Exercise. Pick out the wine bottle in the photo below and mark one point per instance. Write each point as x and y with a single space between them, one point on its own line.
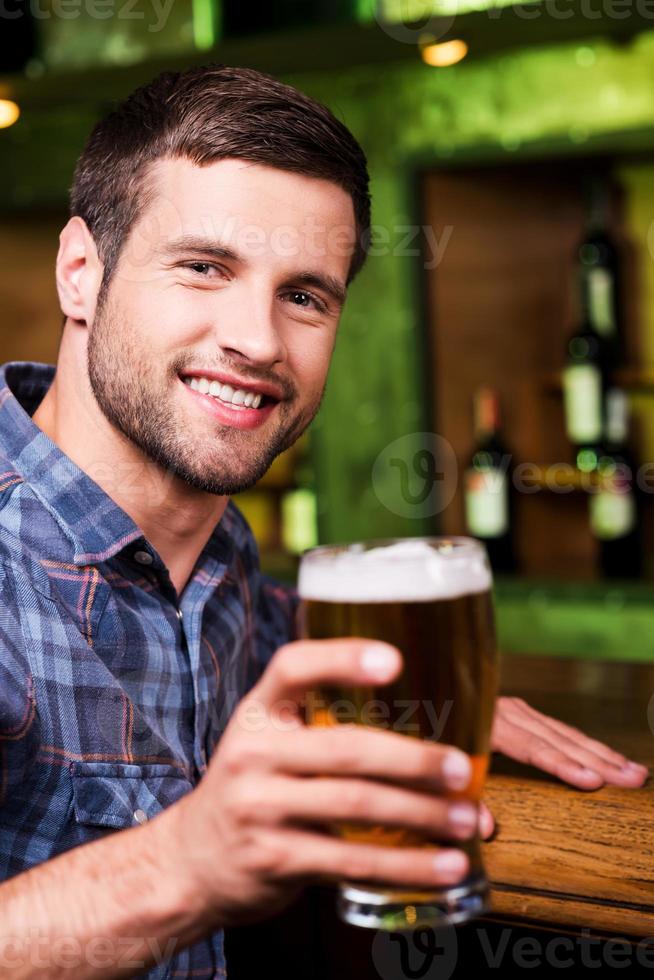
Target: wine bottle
488 495
615 511
599 268
584 385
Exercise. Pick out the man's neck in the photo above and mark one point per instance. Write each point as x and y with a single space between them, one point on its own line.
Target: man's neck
175 518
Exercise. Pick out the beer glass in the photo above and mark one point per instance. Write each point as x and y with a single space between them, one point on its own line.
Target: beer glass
431 598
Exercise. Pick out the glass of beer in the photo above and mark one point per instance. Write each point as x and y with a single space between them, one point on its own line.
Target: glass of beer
431 598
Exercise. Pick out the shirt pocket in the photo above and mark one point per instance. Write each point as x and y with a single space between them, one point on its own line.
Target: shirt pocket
119 795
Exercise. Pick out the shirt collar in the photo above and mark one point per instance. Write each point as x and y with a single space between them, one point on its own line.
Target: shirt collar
94 523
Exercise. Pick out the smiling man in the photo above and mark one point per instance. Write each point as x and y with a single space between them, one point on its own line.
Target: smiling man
217 220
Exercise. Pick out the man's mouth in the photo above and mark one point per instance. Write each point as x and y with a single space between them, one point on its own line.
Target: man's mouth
238 398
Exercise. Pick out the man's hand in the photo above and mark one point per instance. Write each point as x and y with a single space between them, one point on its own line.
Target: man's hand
527 735
255 829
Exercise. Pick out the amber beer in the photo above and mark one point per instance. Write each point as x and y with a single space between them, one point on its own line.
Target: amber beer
431 598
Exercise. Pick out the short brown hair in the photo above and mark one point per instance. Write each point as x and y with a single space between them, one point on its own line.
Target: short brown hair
204 114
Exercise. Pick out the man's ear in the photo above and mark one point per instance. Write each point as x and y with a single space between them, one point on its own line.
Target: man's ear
78 271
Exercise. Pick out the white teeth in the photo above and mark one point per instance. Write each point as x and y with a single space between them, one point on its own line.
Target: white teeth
233 396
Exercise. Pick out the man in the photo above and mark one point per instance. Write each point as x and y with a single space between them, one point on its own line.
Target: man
217 218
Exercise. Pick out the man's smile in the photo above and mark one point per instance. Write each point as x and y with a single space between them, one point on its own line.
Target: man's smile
241 408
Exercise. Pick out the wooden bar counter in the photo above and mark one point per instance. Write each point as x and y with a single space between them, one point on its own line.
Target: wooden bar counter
565 865
576 857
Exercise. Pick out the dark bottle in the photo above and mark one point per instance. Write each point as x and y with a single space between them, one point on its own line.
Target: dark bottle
488 485
584 385
599 269
615 506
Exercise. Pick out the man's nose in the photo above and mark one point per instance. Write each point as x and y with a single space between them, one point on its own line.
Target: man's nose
249 331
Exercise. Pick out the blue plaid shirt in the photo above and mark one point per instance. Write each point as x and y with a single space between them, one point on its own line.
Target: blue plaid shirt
112 698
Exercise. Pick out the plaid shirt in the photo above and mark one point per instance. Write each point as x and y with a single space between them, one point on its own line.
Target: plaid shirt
112 697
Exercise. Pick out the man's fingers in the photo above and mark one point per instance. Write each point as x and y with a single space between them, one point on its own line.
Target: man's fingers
526 735
356 750
486 822
353 750
299 666
296 854
603 751
328 800
534 750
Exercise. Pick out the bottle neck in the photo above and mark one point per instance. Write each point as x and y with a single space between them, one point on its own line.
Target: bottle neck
598 205
487 414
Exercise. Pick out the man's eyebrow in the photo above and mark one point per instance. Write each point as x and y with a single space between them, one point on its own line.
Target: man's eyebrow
194 243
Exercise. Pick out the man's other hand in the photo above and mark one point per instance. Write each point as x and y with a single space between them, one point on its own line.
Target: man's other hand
527 735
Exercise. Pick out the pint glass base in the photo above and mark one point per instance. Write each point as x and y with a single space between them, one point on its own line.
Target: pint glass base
396 911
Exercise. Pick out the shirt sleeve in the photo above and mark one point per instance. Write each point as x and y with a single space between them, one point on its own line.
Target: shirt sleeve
19 738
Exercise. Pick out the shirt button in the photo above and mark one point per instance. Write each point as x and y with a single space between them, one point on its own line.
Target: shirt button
143 557
140 816
180 614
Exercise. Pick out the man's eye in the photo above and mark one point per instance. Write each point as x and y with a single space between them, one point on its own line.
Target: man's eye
199 266
318 305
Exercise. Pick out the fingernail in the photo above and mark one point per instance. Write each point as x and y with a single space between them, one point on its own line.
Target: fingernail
486 824
452 863
457 770
378 660
635 766
462 816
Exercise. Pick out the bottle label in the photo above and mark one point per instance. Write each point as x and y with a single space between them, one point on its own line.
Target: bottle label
487 503
612 514
600 301
582 394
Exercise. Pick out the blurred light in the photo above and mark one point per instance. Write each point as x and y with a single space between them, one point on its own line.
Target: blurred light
9 113
299 520
34 68
586 460
445 53
585 57
204 24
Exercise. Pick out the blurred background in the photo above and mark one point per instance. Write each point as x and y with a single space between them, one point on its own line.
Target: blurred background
494 371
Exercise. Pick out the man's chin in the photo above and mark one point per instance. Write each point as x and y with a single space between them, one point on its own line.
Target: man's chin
217 483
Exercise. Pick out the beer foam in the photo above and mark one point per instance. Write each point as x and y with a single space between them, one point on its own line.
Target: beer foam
405 571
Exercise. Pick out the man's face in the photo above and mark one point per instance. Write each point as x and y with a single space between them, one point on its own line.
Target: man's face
178 317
